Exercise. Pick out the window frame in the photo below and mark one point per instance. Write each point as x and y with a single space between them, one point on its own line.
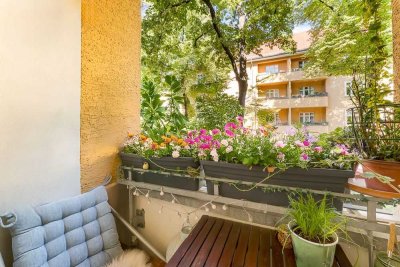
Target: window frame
275 93
272 66
307 117
310 90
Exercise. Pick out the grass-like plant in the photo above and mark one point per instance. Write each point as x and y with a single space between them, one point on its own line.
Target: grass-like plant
316 221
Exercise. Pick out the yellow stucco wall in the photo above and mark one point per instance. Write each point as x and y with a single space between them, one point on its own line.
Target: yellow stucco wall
396 46
282 65
110 88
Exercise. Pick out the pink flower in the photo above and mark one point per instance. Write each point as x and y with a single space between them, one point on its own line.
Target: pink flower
280 156
215 131
318 149
229 133
230 126
239 118
203 131
190 141
299 143
197 140
304 157
191 133
280 144
306 143
206 137
205 146
216 144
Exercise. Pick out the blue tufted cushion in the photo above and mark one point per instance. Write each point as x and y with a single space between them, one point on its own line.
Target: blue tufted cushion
79 231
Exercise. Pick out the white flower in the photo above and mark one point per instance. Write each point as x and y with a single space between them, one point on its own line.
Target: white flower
175 154
215 158
214 153
224 142
177 148
229 149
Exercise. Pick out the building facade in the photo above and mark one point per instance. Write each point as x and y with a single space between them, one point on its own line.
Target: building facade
278 83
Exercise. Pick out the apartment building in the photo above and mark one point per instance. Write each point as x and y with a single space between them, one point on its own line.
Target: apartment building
278 83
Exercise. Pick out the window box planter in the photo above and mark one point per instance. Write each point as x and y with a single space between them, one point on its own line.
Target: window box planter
165 164
332 180
132 160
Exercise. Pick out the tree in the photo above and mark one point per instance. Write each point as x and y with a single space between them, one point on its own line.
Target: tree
233 28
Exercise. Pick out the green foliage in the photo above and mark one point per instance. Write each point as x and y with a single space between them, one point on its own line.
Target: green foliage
215 111
316 221
152 111
265 116
158 116
208 35
353 38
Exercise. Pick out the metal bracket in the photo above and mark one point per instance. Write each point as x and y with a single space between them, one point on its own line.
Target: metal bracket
138 220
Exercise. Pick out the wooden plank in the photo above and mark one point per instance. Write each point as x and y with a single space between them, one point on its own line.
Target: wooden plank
230 246
289 258
205 249
197 243
277 255
264 258
177 257
252 251
219 245
341 257
241 248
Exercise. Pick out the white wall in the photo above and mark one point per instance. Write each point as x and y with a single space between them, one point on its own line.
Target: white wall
39 103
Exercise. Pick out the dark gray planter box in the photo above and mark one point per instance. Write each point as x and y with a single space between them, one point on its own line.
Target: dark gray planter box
318 179
132 160
172 180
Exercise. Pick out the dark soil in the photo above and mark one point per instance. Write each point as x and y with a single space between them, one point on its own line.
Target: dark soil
315 240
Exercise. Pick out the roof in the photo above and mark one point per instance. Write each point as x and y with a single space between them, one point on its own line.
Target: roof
302 40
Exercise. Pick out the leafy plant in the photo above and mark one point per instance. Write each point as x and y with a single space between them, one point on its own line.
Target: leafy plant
175 100
152 111
316 221
215 111
265 116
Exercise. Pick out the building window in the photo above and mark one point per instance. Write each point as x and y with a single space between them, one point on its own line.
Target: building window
277 120
273 93
348 89
306 117
349 117
307 90
272 69
301 64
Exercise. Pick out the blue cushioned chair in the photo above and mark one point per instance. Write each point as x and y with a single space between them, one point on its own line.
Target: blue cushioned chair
78 231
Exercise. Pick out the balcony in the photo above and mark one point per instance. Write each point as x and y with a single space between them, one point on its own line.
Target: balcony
296 101
263 78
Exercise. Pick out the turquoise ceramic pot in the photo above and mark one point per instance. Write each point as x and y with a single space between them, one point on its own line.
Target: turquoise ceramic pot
310 254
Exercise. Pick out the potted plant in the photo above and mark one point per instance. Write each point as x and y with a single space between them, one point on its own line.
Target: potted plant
295 159
313 229
169 154
376 133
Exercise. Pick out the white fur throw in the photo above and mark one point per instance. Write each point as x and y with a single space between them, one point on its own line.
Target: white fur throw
131 258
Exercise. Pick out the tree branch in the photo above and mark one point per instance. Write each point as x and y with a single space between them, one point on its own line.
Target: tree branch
327 5
217 30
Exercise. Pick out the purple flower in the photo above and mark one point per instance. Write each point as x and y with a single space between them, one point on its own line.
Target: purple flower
216 144
190 141
197 140
215 131
291 131
206 137
304 157
280 144
306 143
203 131
318 149
229 133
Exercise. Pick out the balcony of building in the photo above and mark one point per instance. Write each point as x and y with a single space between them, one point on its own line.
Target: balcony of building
308 94
272 72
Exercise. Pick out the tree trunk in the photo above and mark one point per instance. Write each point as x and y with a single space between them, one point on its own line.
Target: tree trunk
396 48
242 91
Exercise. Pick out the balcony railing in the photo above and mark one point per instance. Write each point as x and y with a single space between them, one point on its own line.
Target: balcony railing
316 94
316 123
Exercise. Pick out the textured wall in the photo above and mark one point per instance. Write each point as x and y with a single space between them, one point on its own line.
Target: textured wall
396 46
110 84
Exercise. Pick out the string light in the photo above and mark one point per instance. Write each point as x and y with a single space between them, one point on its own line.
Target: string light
147 194
161 192
213 206
206 209
224 207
